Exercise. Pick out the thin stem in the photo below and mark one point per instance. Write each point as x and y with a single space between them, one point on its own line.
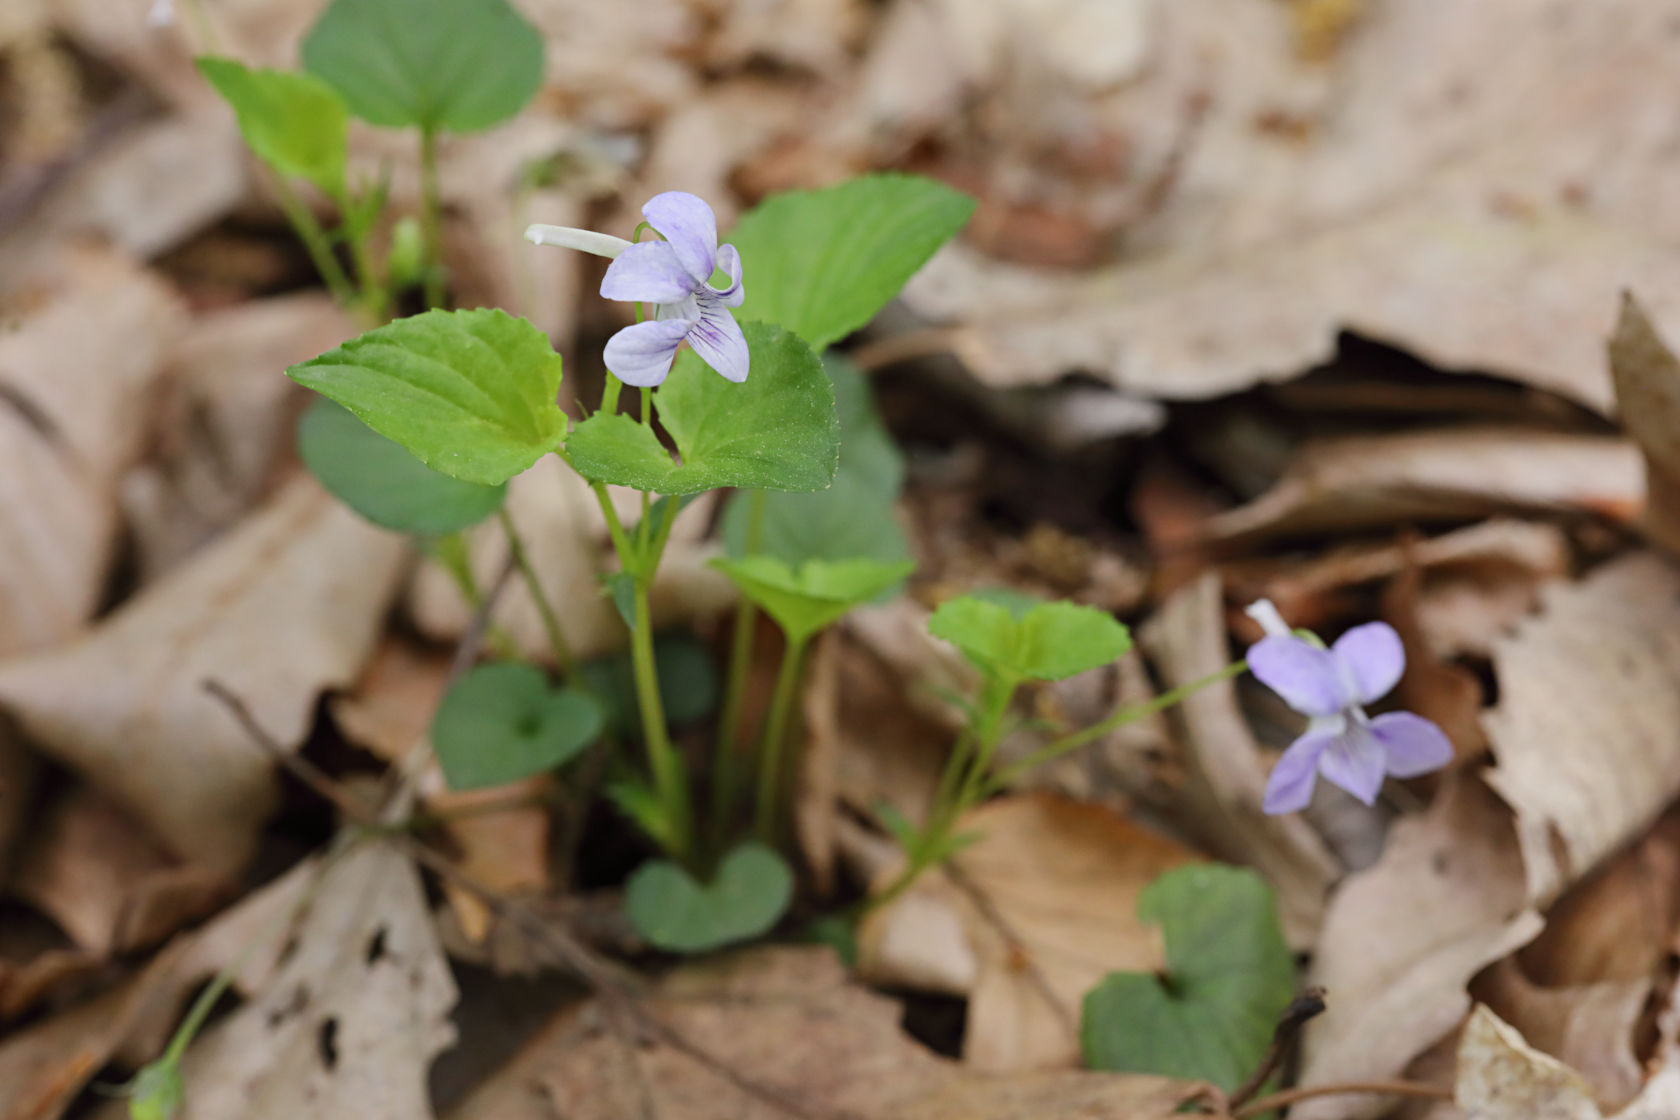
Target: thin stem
1390 1088
1072 742
766 819
451 553
669 779
987 733
373 294
562 649
431 217
724 758
315 241
609 394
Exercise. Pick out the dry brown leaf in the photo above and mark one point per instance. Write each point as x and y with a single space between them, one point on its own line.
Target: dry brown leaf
1647 377
286 605
1225 773
566 537
20 772
1396 983
852 1059
1481 211
1047 901
815 35
1588 1027
348 1022
227 421
92 869
1339 485
69 399
1589 696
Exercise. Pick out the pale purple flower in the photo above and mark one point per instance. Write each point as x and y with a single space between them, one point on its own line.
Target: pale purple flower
674 276
1331 687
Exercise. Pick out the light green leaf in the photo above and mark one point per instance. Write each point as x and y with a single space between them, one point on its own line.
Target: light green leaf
157 1092
745 899
439 65
822 263
775 431
469 393
384 483
296 123
1047 642
503 722
1229 977
804 601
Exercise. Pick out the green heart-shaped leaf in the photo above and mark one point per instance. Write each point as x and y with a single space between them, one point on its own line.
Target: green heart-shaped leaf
746 897
777 430
450 65
1229 977
296 123
382 482
1047 641
472 394
822 263
803 602
503 722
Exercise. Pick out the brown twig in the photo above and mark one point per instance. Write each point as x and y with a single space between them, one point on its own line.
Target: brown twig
1392 1088
1304 1007
611 984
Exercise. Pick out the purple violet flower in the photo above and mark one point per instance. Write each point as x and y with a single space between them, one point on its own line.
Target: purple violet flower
674 275
1331 687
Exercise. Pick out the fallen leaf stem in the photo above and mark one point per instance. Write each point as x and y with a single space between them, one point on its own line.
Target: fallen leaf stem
1286 1097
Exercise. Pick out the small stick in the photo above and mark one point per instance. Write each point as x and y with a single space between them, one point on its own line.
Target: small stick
1308 1005
1391 1088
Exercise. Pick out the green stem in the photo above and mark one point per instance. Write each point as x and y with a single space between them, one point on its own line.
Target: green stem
724 758
373 295
562 649
431 217
609 394
766 818
669 779
315 241
1073 741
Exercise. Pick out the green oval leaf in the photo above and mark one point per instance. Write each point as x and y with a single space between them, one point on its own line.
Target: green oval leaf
382 482
1047 642
804 601
296 123
822 263
469 393
1229 977
775 431
437 65
503 722
749 893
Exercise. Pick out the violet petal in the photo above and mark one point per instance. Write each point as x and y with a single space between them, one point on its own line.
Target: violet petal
641 355
648 272
717 338
1355 760
1373 656
729 259
690 227
1411 744
1304 675
1290 787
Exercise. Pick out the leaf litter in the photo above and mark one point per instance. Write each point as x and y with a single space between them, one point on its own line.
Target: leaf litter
1167 226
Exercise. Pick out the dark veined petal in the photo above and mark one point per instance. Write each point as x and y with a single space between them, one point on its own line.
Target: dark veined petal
717 338
1411 744
1304 675
1355 760
641 355
648 272
1374 658
1290 787
729 259
690 227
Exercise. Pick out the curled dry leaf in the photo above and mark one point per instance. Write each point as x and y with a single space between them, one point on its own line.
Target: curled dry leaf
1224 770
853 1060
1360 482
287 604
1047 901
566 537
1396 984
69 397
1647 376
226 423
1502 1077
1474 210
1589 696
